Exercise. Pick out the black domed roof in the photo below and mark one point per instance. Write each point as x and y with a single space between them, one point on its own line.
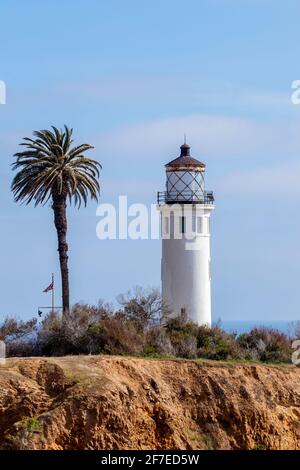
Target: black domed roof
185 161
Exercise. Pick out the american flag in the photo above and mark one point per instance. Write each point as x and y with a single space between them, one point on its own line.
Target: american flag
50 287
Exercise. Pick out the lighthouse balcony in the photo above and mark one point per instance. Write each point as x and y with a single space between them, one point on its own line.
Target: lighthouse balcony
186 197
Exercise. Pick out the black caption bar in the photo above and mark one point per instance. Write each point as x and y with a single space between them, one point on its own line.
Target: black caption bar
148 459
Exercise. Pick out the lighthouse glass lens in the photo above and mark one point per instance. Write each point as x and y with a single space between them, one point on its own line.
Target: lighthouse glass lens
185 185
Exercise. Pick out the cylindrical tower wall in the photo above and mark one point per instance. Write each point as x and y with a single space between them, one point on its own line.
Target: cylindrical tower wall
185 268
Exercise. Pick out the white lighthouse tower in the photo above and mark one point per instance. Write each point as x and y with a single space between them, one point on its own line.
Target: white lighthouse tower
185 209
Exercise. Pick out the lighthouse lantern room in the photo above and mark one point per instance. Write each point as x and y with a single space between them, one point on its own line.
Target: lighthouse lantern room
185 208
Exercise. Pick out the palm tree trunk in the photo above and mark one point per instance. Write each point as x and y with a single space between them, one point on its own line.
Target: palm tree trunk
60 219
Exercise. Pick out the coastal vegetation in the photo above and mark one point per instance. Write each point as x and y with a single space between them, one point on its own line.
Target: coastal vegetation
138 327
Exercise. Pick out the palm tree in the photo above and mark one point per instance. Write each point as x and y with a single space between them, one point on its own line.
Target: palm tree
50 168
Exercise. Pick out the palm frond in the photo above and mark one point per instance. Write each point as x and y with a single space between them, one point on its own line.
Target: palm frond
51 166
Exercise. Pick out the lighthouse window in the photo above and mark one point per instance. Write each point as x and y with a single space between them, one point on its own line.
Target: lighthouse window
182 224
166 225
199 225
208 225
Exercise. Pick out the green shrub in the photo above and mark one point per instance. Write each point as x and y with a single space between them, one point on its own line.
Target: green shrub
159 342
214 343
183 336
266 344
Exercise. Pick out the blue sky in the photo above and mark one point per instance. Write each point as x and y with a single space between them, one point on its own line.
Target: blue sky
131 77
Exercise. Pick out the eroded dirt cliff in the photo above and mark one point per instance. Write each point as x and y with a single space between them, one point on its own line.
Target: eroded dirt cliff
130 403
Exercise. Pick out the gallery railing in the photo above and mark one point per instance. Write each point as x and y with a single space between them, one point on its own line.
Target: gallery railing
173 197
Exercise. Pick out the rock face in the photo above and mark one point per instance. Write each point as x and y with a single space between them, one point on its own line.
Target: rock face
102 402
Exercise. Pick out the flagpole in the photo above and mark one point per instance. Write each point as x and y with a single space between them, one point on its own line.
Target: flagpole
53 297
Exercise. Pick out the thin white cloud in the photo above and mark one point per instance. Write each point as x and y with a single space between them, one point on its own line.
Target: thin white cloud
266 151
281 181
162 90
210 136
